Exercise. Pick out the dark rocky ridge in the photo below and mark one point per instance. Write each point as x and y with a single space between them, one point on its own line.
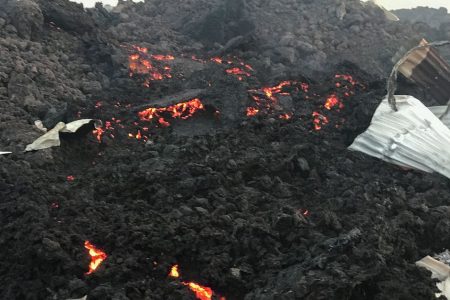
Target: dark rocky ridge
229 205
434 17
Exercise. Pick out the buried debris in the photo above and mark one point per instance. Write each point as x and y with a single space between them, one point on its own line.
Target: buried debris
424 66
440 271
52 139
403 131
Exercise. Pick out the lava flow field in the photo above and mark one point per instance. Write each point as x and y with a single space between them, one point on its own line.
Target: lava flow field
220 169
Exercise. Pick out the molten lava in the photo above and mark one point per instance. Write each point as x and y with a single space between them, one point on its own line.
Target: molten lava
267 98
98 134
285 116
348 78
183 110
251 111
271 92
333 101
237 71
97 257
201 292
174 272
217 60
319 120
141 63
163 57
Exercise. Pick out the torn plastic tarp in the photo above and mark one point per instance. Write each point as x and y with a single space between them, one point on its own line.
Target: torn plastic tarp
440 271
51 138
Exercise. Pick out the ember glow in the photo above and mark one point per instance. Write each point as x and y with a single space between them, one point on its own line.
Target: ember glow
333 101
217 60
272 92
239 72
251 111
346 85
98 134
348 78
201 292
141 63
266 98
174 272
163 57
285 116
97 257
319 120
183 110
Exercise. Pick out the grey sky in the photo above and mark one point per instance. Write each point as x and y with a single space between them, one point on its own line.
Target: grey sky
395 4
389 4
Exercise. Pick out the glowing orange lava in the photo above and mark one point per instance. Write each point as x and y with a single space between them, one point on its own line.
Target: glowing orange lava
239 72
98 134
174 272
183 110
163 57
140 62
271 92
285 116
217 60
138 135
333 101
97 257
251 111
319 120
266 98
348 78
201 292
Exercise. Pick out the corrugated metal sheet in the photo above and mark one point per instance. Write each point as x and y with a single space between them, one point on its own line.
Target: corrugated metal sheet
439 111
411 137
430 71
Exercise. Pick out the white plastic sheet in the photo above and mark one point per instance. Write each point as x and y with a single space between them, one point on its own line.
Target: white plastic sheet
411 137
51 138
